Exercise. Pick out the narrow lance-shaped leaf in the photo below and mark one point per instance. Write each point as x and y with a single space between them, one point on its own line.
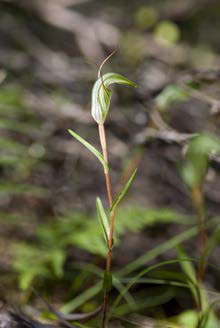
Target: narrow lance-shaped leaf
91 148
101 95
103 219
123 191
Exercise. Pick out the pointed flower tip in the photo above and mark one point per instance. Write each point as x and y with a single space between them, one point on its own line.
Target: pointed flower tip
134 84
131 83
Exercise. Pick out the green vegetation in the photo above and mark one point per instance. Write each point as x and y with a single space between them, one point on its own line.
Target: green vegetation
45 259
139 249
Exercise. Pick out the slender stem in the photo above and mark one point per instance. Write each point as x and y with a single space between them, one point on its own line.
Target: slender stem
110 242
105 155
197 196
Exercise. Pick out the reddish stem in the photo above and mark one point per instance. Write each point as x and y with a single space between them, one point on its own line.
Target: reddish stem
197 196
112 215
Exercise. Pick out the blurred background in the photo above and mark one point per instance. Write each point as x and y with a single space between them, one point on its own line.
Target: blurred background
50 51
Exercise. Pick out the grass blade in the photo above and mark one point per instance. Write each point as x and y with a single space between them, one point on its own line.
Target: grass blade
160 249
138 276
189 270
81 299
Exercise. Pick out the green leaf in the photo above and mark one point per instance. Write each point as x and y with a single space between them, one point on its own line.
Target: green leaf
123 191
91 148
194 169
206 144
107 282
101 95
187 266
103 219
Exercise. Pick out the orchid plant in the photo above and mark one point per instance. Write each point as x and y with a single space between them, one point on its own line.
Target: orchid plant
101 98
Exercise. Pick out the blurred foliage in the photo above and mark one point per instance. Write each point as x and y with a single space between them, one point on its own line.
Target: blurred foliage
146 17
17 119
167 32
169 95
133 54
203 56
195 167
32 262
48 255
190 319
